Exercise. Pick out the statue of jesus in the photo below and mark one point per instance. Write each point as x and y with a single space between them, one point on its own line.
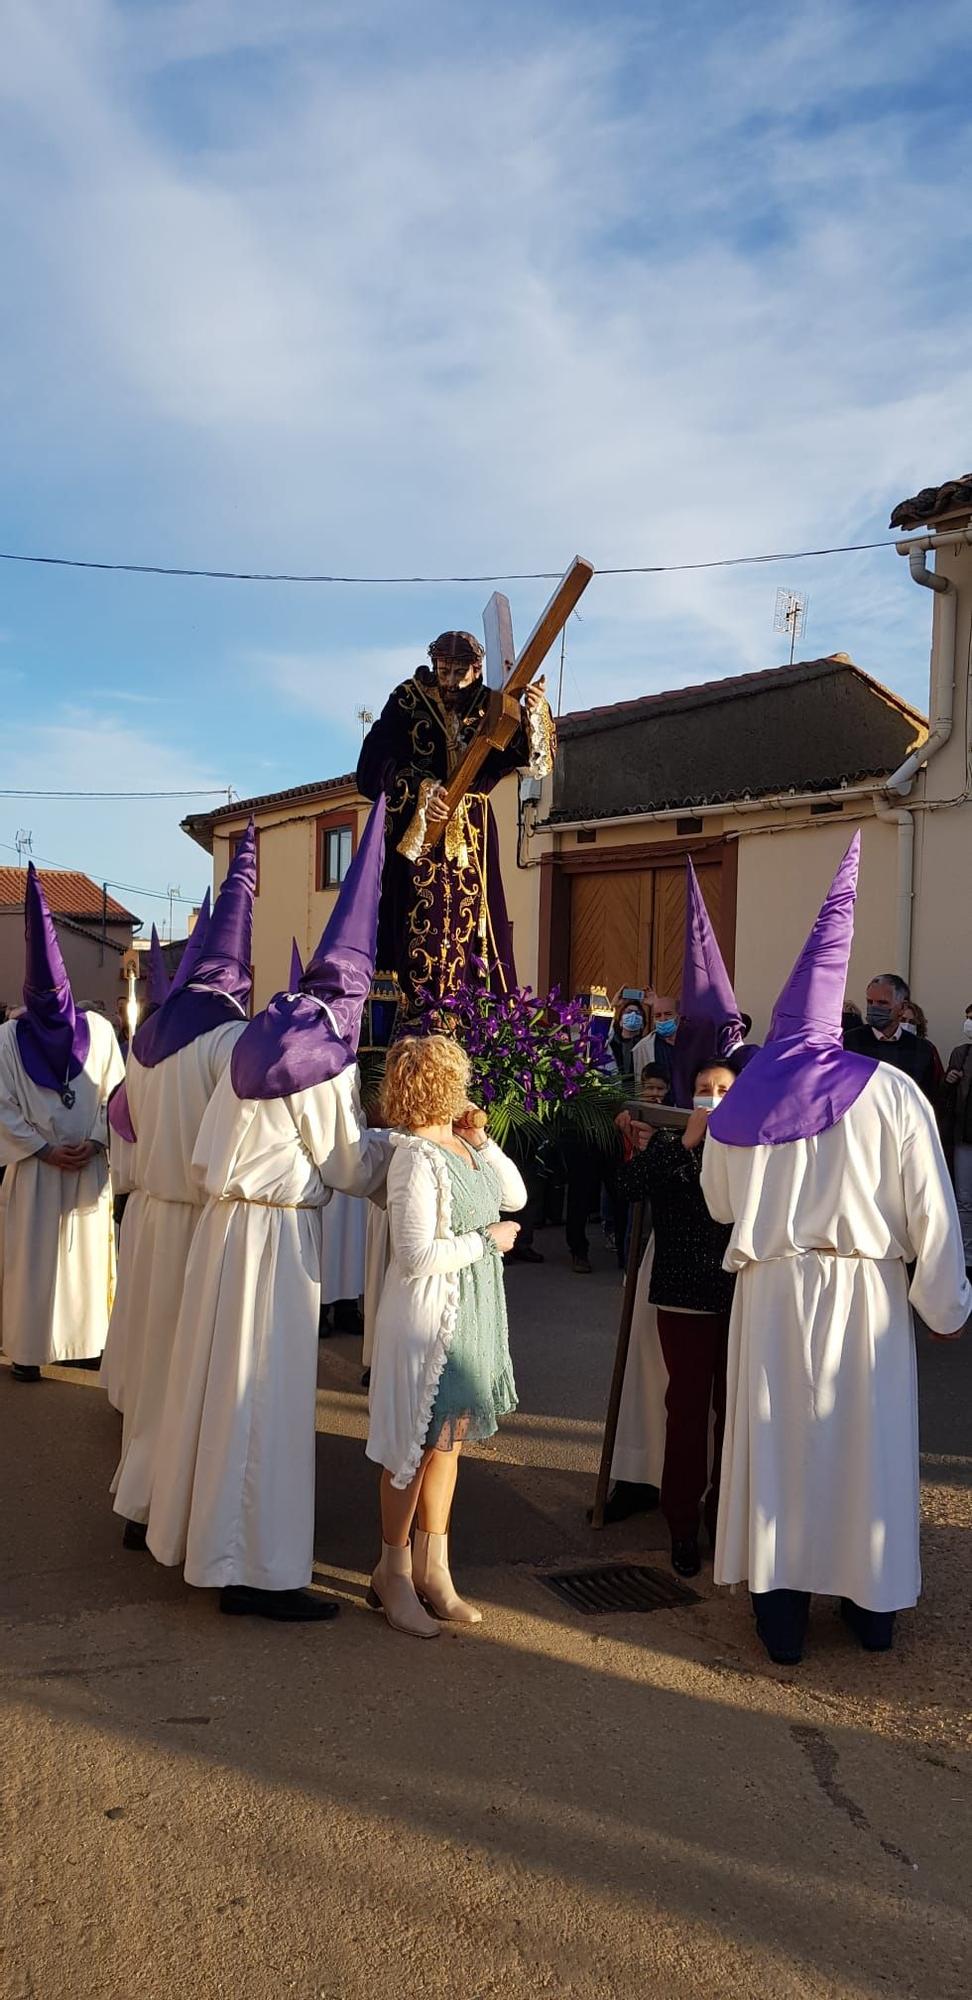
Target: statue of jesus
442 920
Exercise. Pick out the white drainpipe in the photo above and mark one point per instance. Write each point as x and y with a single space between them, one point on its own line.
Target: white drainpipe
899 784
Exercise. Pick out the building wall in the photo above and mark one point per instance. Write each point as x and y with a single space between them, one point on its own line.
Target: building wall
91 980
782 879
941 955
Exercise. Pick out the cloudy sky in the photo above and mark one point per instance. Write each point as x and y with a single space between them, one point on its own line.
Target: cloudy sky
431 289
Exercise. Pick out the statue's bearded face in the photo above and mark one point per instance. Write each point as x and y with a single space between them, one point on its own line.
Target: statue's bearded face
451 675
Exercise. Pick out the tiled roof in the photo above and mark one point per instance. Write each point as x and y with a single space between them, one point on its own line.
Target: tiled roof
68 893
200 826
953 497
818 726
703 694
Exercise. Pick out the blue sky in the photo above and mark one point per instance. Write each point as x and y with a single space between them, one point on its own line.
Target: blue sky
441 288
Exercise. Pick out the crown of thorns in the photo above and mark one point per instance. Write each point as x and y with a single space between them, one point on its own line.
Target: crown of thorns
463 646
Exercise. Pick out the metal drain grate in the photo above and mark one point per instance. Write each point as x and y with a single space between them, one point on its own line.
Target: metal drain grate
607 1587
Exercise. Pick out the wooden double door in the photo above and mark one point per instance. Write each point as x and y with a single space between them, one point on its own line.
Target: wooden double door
627 924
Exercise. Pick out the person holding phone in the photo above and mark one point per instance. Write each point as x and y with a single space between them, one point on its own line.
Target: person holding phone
441 1374
692 1295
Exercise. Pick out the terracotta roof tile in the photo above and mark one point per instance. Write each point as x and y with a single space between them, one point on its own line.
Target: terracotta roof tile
954 496
69 894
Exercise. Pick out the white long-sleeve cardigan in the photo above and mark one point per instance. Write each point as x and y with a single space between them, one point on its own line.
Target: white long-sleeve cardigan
419 1303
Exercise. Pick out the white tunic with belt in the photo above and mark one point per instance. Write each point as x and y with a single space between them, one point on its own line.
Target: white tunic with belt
166 1104
233 1494
820 1463
123 1168
57 1239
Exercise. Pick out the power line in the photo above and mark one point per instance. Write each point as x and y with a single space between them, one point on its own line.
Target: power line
197 792
130 888
508 576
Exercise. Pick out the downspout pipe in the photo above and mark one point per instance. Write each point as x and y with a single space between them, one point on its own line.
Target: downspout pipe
901 781
899 784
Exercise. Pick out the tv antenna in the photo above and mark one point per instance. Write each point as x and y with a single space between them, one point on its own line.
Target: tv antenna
25 845
791 616
366 717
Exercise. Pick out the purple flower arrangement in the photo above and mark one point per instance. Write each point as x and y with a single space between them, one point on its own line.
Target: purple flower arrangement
536 1070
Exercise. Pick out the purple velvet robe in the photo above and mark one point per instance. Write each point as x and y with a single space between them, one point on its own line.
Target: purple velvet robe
439 913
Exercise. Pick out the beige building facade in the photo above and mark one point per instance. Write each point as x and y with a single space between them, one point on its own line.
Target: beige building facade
760 778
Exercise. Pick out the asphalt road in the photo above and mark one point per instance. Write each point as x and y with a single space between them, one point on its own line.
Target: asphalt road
554 1804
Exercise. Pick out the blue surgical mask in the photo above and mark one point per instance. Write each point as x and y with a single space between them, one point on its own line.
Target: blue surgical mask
704 1103
631 1022
878 1013
665 1027
909 1027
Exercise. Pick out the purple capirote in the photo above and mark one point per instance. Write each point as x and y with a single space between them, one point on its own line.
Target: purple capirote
296 966
157 978
53 1037
213 982
803 1080
709 1022
305 1038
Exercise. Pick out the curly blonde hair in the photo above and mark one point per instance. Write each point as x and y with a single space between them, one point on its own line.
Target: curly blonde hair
426 1082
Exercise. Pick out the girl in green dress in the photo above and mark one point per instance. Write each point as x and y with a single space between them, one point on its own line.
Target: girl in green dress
441 1374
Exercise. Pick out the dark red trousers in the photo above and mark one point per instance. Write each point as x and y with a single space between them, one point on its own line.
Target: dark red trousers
694 1346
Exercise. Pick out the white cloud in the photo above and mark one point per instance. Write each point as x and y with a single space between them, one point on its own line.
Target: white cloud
446 291
136 843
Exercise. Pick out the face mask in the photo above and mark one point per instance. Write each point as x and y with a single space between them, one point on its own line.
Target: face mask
967 1030
704 1103
665 1027
631 1022
878 1014
909 1027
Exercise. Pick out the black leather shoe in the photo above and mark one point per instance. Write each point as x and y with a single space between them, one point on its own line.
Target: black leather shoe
23 1371
874 1629
134 1535
627 1497
292 1606
525 1256
686 1560
781 1623
346 1317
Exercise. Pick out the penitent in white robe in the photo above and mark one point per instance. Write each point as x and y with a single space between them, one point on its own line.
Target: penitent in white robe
57 1239
233 1496
819 1484
344 1228
122 1165
166 1104
639 1446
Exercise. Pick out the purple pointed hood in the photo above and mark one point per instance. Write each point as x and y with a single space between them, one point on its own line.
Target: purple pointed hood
306 1037
213 982
803 1080
296 966
195 943
52 1037
709 1023
157 977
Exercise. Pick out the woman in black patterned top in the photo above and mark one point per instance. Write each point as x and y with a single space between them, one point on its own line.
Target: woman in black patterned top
692 1295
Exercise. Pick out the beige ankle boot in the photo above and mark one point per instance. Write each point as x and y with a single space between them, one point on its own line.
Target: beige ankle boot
393 1592
430 1575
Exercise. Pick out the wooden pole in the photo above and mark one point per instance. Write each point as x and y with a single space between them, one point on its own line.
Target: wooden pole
503 715
620 1364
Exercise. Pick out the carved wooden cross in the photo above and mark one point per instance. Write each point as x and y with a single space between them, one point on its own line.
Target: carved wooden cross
508 675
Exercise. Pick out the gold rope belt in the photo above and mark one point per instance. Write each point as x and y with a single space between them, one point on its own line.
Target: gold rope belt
289 1207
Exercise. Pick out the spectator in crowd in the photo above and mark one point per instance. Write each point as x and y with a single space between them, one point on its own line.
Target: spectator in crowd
693 1297
851 1017
957 1129
914 1021
658 1047
629 1029
884 1038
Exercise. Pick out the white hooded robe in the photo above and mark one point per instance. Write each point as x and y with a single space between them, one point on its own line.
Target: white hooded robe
820 1468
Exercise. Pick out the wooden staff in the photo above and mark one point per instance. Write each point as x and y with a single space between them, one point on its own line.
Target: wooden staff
620 1364
502 718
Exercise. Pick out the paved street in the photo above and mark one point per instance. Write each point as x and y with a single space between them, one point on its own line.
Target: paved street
633 1805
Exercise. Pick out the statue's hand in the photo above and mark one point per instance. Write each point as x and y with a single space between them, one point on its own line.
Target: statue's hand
535 695
436 805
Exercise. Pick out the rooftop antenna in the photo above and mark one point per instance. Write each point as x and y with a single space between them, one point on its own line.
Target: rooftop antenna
366 717
791 616
174 895
25 844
